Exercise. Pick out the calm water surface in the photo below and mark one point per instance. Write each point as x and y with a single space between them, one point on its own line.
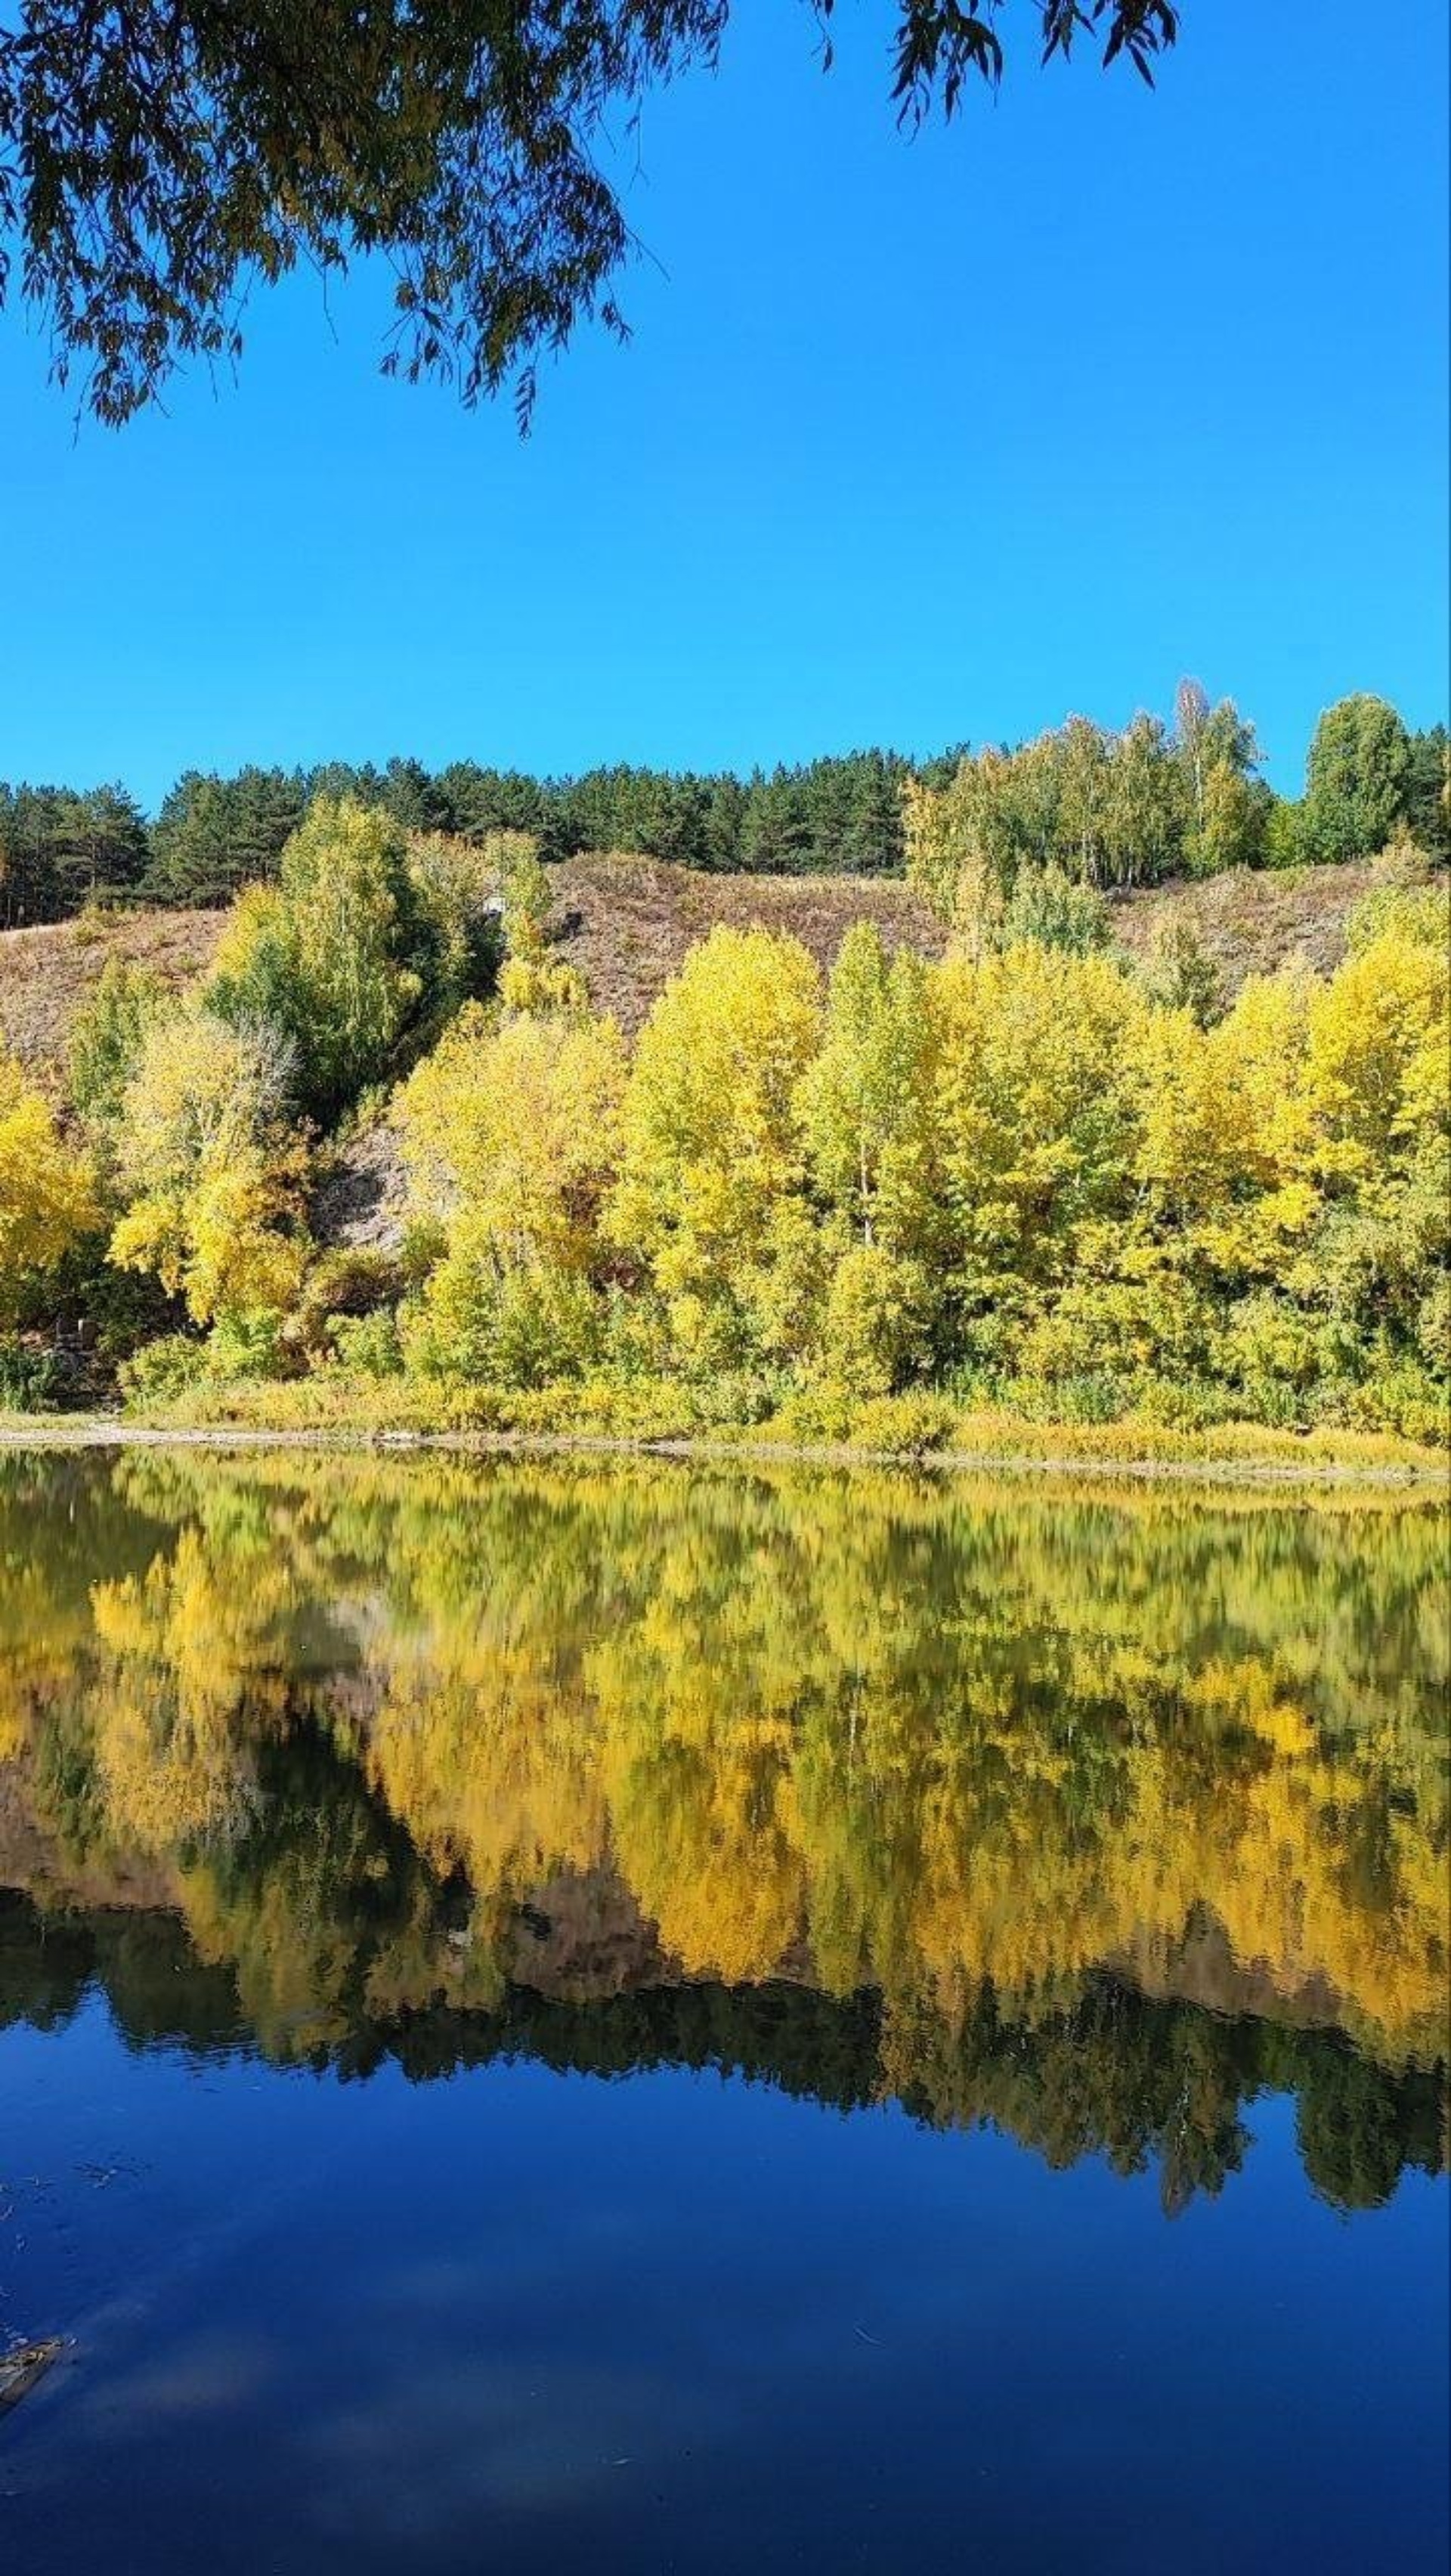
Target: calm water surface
572 2018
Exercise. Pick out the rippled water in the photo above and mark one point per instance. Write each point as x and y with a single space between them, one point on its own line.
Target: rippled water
558 2016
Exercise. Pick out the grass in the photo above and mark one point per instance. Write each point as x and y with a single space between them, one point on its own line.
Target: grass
327 1406
45 974
1250 922
628 923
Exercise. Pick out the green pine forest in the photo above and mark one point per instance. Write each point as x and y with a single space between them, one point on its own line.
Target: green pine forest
1165 799
908 1204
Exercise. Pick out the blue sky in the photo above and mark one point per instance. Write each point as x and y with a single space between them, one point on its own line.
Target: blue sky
915 442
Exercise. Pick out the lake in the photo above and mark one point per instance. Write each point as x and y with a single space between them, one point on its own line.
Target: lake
572 2015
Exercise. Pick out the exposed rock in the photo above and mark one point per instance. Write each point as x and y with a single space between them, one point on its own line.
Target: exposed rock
362 1195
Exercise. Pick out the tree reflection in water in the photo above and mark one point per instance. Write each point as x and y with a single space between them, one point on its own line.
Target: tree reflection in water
1090 1812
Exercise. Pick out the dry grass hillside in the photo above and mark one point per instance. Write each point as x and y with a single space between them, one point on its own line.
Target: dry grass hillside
45 974
627 923
1250 924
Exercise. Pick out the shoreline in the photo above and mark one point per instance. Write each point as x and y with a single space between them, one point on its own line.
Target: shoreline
1423 1476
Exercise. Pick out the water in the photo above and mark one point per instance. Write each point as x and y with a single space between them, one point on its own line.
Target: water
563 2017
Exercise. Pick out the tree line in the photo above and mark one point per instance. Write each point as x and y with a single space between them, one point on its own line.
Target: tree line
1111 808
1030 1174
1121 2076
63 847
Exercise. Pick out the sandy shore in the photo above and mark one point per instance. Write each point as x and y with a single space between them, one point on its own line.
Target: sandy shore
41 1432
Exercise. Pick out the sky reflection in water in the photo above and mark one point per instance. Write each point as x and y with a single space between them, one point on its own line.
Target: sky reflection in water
561 2017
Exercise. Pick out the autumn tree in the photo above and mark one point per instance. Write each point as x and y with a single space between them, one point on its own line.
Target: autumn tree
713 1162
452 883
1036 1118
105 1040
321 956
510 1132
1228 805
529 978
212 1174
1105 809
866 1111
47 1200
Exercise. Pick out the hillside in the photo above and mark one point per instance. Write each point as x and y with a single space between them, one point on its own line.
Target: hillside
45 974
628 923
1250 924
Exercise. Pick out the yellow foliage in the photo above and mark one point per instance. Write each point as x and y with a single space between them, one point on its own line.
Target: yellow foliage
517 1124
218 1179
1379 1050
1034 1110
47 1194
713 1153
536 983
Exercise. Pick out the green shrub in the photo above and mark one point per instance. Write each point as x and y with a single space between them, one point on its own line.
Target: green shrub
248 1345
351 1280
105 1039
368 1344
829 1414
1049 909
163 1369
29 1375
518 1328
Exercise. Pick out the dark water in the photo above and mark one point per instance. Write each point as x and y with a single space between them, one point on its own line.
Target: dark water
559 2018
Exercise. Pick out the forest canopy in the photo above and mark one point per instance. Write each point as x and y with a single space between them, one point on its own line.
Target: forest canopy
1155 800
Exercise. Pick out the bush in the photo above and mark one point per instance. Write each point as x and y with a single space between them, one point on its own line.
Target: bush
454 892
519 1328
29 1375
877 1326
1048 909
163 1369
1180 975
833 1415
249 1345
353 1280
368 1344
106 1038
1401 1397
1403 899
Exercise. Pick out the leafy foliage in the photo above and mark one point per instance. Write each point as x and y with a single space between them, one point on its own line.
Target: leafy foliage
1027 1176
319 956
154 158
212 1177
1358 779
510 1131
957 1755
1102 809
711 1194
1108 809
106 1037
47 1198
1026 1170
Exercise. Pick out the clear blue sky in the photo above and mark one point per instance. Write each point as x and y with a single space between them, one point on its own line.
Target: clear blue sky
916 441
